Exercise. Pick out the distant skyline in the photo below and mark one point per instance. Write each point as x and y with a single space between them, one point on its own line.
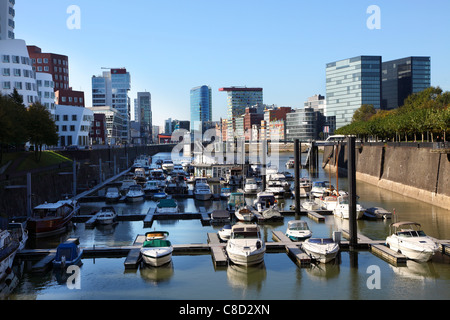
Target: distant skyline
171 46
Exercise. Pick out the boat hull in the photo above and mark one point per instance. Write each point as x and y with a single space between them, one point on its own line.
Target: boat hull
6 260
321 253
48 227
297 235
157 257
135 198
203 196
422 254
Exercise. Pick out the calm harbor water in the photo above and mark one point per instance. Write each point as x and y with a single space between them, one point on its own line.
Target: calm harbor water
194 277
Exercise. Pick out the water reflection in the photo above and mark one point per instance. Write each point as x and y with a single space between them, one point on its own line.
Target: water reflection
157 275
251 277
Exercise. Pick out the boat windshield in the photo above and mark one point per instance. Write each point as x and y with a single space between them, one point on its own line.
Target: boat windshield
320 184
411 233
321 241
299 226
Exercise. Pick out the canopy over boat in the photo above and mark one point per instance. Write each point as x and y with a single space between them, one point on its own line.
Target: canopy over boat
157 243
167 203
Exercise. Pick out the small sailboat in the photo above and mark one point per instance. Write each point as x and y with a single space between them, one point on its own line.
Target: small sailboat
298 230
321 249
245 246
408 238
157 250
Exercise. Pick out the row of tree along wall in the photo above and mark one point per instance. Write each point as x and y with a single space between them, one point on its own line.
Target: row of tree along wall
420 171
54 183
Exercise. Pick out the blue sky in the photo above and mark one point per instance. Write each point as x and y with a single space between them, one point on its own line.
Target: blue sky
282 46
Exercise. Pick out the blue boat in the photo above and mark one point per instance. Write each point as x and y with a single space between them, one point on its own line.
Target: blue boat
67 254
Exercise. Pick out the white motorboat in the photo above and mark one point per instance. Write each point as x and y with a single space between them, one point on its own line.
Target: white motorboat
135 193
106 215
298 230
225 193
320 188
243 213
167 165
272 214
202 191
126 185
225 233
19 233
264 200
8 249
156 250
321 249
112 195
250 187
245 246
379 213
167 206
157 174
178 170
276 188
328 202
151 186
311 205
290 163
342 209
408 238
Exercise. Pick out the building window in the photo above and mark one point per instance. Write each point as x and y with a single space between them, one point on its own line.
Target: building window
64 128
72 128
74 117
65 117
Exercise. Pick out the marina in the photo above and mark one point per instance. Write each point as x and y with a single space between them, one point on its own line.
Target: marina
198 250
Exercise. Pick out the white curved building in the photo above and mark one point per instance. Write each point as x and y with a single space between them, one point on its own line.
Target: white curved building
16 70
46 93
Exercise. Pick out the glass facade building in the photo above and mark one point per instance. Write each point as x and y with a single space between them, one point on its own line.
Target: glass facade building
201 108
240 98
111 89
351 83
143 115
402 77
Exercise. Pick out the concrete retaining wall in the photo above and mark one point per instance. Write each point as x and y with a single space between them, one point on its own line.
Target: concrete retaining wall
420 173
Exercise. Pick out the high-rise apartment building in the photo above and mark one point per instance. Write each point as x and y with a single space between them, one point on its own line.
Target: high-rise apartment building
201 108
240 98
402 77
351 83
7 24
111 89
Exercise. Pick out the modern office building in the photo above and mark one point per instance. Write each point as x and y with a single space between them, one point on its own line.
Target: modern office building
16 71
303 124
114 123
351 83
143 115
69 97
240 98
111 89
403 77
7 24
201 108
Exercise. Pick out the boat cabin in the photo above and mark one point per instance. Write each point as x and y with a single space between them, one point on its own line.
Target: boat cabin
245 232
52 210
407 229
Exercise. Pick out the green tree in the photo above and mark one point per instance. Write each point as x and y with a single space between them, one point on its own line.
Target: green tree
364 113
41 128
